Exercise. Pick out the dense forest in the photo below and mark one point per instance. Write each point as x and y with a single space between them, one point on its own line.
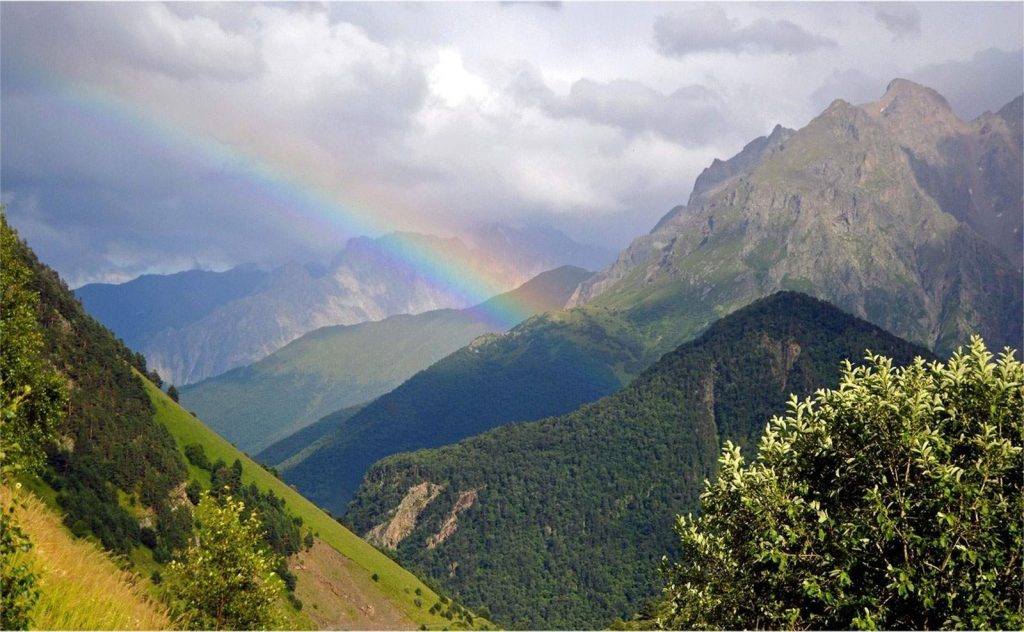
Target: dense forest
571 514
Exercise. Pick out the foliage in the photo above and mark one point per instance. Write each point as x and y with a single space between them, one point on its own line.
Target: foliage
108 439
32 400
573 513
893 501
225 579
172 392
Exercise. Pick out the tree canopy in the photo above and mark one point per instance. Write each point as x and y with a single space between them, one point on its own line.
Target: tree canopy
893 501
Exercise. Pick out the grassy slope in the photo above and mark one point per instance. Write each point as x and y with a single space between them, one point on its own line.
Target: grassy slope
395 584
81 586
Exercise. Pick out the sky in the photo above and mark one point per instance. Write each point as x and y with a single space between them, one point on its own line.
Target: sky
147 137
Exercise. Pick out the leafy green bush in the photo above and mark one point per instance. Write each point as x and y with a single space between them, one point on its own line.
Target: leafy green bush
226 579
894 501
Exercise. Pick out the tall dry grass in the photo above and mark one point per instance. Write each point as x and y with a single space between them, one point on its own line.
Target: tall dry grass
81 587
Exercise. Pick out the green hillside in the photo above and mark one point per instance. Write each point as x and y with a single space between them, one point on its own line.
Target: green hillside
560 523
337 367
495 380
396 586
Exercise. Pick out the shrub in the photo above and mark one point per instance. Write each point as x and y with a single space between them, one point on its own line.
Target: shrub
895 501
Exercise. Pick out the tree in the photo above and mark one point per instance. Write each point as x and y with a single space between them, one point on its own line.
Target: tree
225 579
895 501
172 392
32 400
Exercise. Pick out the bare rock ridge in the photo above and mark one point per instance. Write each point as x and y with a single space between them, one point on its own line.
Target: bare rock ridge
895 210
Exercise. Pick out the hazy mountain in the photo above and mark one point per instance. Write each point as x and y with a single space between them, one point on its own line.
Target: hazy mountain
195 325
141 308
340 366
560 523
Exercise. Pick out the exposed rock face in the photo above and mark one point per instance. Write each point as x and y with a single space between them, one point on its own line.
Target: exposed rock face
403 521
451 523
896 211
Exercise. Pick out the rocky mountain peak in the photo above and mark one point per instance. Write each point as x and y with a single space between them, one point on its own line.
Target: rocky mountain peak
911 107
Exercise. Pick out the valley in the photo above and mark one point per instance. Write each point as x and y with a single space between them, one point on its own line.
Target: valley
518 315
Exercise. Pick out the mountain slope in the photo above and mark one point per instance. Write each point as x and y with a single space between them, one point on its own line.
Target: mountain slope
337 367
495 380
119 467
390 597
560 523
860 207
83 587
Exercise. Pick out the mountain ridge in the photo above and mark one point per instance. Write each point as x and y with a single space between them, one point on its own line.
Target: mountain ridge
560 522
345 365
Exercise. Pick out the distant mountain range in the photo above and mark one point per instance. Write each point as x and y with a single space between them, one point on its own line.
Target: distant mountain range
560 523
839 210
195 325
344 365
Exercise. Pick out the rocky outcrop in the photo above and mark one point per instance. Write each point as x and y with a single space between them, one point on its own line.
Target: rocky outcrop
403 521
451 523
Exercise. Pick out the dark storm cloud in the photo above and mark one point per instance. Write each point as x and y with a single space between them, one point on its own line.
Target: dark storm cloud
709 29
901 19
691 116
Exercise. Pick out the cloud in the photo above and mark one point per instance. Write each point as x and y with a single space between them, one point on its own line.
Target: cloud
144 35
987 81
692 115
901 19
709 29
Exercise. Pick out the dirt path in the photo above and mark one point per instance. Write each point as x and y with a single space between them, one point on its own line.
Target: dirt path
337 595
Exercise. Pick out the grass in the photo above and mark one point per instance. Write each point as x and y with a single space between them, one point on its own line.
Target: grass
81 586
394 583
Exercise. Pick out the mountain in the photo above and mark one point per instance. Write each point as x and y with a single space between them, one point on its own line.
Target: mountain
195 325
560 523
141 308
895 210
834 210
341 366
529 373
124 464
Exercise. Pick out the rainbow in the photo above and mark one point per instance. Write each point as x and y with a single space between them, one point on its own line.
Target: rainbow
294 194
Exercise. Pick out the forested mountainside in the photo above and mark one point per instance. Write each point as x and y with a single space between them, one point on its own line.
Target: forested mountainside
560 523
243 315
346 365
127 465
836 210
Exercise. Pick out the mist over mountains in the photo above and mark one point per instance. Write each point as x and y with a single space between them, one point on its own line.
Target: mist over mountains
194 325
